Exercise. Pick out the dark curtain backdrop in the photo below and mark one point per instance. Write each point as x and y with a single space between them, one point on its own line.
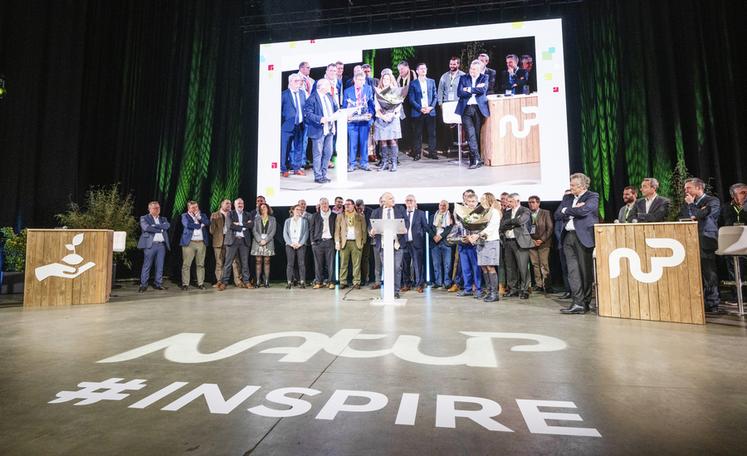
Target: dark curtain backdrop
161 95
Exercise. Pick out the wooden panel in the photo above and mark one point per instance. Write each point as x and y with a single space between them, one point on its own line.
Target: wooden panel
64 281
695 288
631 231
604 300
652 289
509 150
643 299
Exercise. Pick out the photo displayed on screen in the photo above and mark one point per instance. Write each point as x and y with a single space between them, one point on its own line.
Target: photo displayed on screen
429 112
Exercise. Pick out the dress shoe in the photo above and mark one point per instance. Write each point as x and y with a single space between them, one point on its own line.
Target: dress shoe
289 286
404 289
160 287
320 181
524 295
375 286
302 285
286 174
201 287
343 286
574 309
185 287
511 294
453 289
396 295
221 286
464 293
365 168
435 286
433 156
356 286
142 289
317 286
420 289
241 285
331 286
566 295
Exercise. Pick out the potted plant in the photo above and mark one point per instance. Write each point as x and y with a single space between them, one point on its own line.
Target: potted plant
12 259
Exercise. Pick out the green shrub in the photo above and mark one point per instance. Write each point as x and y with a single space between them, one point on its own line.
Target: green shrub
15 250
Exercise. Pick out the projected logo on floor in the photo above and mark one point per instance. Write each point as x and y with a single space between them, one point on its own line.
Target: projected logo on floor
479 351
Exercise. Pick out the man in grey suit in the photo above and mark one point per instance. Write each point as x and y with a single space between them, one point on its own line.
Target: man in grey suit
154 242
652 207
627 212
517 241
237 240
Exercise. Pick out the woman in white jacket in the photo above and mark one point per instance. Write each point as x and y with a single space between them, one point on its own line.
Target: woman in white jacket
489 248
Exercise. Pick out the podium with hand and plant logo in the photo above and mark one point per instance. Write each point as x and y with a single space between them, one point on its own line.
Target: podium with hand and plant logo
65 267
649 271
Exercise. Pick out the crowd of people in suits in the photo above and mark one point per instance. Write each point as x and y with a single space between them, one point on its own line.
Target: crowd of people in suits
387 113
486 263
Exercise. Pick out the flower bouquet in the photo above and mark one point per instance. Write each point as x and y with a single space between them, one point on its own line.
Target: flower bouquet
468 221
390 98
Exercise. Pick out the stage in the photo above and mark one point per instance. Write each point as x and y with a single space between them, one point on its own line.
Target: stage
634 387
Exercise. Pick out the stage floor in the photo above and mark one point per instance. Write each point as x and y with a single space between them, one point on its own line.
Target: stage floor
637 387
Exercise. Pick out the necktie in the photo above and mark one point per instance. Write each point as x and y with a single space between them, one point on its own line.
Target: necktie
389 213
308 84
298 107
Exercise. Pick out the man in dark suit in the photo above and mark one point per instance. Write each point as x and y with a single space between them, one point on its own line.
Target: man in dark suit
626 214
734 213
422 96
194 242
652 207
509 82
705 209
390 211
238 239
485 59
527 81
417 228
541 231
322 232
291 127
558 230
154 242
359 96
517 242
317 113
578 212
473 107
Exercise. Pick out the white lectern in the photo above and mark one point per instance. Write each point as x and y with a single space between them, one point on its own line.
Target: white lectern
341 167
388 228
732 241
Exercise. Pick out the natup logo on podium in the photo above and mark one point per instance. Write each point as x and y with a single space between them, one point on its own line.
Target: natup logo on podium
657 263
68 267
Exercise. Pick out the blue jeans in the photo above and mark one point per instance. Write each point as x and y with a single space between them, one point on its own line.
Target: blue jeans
358 143
441 256
470 269
157 253
322 149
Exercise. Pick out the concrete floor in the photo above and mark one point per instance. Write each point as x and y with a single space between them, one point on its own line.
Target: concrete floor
646 388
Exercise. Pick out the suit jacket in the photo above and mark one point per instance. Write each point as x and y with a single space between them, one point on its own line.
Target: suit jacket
304 231
525 79
706 212
479 92
415 94
313 111
317 226
272 226
543 226
217 222
288 112
247 223
189 226
491 79
631 214
505 82
432 228
519 225
398 212
657 213
419 227
349 100
341 230
336 87
731 214
584 217
149 227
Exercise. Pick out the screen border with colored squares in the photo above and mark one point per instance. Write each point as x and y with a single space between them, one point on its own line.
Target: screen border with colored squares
549 176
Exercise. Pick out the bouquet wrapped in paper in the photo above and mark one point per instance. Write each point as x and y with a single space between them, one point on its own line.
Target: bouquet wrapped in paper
468 221
390 98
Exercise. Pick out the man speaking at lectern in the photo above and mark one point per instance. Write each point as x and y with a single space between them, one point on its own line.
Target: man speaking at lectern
389 211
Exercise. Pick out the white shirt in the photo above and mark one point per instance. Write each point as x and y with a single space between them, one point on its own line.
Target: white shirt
295 230
569 226
510 233
326 233
492 231
409 228
327 110
240 233
424 91
472 100
649 202
226 221
197 234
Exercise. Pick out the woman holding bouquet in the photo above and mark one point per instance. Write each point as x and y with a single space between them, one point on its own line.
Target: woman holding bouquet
388 102
489 247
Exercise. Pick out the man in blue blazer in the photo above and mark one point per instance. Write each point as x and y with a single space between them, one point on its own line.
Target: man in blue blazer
359 95
291 127
473 107
194 243
389 211
423 99
577 213
320 127
417 229
705 210
154 242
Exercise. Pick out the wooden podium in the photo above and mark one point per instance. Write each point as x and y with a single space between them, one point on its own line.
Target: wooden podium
65 267
510 136
649 271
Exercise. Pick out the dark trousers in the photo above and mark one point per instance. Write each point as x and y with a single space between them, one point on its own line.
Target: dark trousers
580 269
517 266
291 153
156 253
472 121
377 265
241 248
295 256
365 266
324 256
398 254
417 130
563 267
709 270
416 255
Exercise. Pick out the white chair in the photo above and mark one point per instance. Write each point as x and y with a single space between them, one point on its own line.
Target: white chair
732 241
